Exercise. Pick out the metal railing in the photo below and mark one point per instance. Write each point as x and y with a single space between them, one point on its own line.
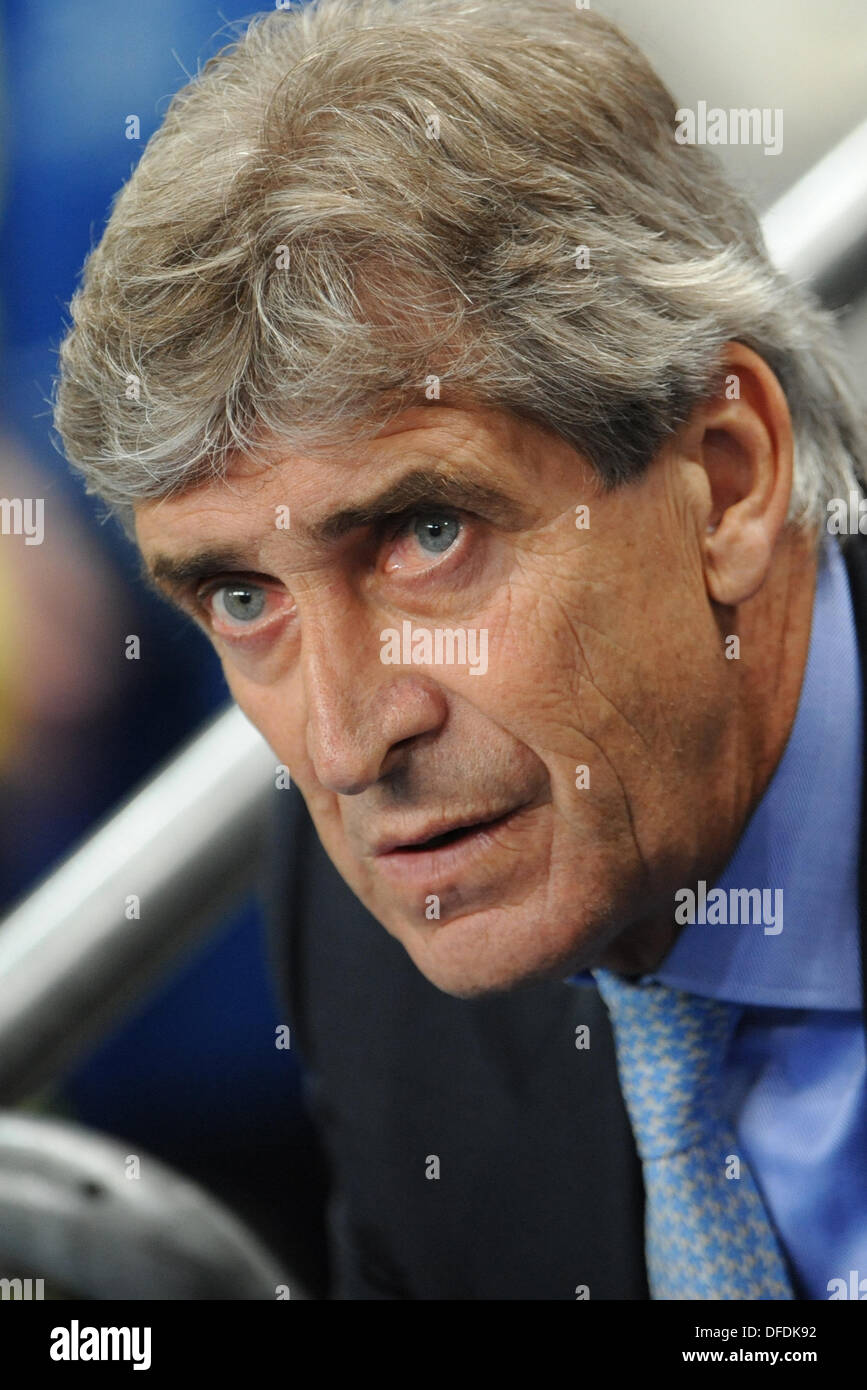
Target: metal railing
70 1215
96 933
188 845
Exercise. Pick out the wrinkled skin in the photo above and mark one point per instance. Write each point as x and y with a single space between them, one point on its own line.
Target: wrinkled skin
606 651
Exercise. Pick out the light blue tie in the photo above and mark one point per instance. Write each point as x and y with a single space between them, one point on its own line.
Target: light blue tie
707 1233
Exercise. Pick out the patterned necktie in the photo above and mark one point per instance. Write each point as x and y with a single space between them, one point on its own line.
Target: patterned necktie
707 1234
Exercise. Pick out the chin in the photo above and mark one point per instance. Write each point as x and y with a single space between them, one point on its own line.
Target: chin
507 916
492 951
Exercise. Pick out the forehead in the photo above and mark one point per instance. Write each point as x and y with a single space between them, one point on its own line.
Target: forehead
492 446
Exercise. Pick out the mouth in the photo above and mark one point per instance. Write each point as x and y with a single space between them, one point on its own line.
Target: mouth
440 838
469 853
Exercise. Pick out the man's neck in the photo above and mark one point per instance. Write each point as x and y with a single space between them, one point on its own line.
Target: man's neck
774 629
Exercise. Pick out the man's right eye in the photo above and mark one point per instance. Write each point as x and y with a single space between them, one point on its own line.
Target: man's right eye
243 603
242 608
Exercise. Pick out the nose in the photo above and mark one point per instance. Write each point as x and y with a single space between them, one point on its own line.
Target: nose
358 710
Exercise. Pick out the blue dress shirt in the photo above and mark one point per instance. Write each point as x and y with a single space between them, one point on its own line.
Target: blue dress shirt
796 1075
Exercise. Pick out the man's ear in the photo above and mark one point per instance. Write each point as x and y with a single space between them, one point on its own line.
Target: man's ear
742 438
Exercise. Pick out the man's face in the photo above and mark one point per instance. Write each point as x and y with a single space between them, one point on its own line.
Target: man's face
509 817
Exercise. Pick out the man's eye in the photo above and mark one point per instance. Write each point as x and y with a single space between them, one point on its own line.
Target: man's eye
435 533
242 603
420 539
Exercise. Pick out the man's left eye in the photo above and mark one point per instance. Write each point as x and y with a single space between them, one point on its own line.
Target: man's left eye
422 538
436 533
242 603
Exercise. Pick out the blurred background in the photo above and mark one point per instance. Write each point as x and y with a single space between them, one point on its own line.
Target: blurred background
192 1076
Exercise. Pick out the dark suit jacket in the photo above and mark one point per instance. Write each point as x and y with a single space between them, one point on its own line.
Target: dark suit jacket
539 1188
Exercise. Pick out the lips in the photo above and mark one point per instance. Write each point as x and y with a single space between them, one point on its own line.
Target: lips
442 833
472 857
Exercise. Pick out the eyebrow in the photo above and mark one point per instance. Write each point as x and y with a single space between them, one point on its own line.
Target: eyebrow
422 487
182 572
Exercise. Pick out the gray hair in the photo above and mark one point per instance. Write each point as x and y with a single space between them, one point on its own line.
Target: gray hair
359 201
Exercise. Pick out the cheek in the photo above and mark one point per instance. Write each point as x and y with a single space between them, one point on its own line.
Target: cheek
618 696
270 709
